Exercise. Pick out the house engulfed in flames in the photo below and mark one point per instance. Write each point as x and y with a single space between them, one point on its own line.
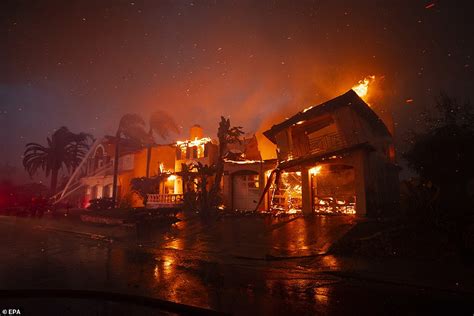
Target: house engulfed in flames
242 182
336 157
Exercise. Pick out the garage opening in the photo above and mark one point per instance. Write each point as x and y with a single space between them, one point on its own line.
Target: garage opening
333 189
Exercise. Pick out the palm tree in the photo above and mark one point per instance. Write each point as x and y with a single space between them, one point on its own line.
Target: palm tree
65 149
226 135
131 126
204 172
162 124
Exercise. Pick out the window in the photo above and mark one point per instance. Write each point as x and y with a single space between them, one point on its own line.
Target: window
252 181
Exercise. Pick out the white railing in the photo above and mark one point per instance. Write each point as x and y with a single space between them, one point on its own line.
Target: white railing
164 200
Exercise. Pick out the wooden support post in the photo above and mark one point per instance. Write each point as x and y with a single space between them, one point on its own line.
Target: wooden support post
360 183
307 206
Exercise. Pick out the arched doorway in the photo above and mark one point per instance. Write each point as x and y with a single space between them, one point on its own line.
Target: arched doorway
245 190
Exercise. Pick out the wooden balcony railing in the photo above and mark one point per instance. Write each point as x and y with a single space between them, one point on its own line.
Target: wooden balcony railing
165 200
318 145
326 143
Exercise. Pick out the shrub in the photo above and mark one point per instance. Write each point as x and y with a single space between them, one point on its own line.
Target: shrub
101 204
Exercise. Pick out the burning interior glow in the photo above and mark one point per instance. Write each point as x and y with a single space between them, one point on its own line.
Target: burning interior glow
331 189
315 170
362 87
286 196
194 142
241 162
197 143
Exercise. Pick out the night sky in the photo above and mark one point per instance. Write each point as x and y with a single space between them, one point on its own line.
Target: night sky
83 64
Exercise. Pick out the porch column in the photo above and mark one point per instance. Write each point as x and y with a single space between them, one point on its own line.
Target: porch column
360 183
307 206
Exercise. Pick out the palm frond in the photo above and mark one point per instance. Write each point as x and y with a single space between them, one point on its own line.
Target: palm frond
163 124
132 126
64 149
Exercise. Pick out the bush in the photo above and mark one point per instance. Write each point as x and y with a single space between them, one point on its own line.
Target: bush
126 202
101 204
144 186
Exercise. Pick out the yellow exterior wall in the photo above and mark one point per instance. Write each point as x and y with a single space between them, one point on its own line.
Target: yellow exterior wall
160 154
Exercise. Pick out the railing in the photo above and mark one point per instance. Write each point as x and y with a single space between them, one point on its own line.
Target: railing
318 145
164 200
326 143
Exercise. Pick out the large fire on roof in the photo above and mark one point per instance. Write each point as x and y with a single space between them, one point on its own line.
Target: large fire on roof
362 87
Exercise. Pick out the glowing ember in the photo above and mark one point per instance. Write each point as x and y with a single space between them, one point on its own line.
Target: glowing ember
362 87
307 109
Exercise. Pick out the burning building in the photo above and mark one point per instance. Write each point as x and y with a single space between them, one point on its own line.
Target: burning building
242 182
244 175
94 178
336 157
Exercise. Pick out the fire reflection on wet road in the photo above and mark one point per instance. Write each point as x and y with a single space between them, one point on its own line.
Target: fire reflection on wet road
216 265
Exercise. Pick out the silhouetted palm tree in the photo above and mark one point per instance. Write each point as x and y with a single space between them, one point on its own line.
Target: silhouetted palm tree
204 173
162 124
65 149
226 135
131 126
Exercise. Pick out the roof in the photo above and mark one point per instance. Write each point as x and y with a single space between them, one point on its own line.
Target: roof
350 98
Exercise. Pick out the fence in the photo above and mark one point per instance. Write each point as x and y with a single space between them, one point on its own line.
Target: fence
165 200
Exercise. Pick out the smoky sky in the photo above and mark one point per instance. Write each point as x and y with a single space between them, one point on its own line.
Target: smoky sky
84 64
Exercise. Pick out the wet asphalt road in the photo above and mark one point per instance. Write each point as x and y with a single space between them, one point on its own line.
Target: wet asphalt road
220 266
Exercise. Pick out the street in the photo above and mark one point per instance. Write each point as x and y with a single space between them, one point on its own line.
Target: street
280 269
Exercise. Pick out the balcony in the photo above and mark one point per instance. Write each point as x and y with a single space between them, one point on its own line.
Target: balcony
327 143
316 145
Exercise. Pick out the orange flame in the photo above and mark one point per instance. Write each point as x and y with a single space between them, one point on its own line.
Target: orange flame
362 87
